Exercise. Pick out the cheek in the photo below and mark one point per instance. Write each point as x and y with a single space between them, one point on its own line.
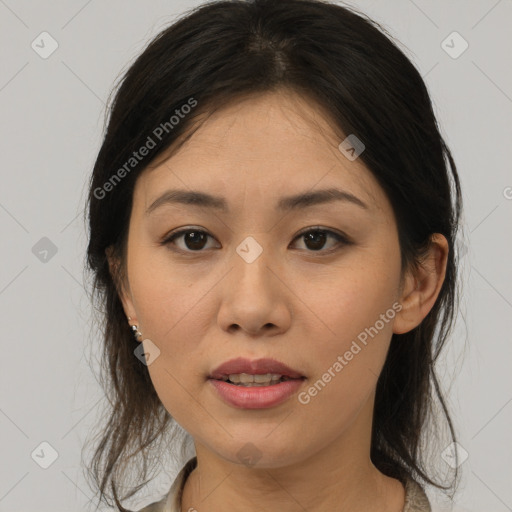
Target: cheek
173 316
175 313
164 294
346 364
352 327
349 300
177 320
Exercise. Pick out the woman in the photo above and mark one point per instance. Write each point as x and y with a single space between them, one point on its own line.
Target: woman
272 224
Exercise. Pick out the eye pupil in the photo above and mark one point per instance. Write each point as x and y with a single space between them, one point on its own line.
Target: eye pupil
191 237
317 237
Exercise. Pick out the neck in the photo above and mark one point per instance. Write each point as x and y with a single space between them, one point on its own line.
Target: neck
339 477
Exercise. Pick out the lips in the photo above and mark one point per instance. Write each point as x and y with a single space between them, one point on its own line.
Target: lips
255 367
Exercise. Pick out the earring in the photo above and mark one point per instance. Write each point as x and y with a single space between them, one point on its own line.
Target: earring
135 330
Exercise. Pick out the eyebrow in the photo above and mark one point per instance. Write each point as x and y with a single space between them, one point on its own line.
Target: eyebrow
288 203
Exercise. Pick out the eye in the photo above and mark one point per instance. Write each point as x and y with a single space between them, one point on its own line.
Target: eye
194 240
315 239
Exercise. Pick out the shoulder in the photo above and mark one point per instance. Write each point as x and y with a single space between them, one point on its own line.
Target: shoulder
156 506
171 502
415 498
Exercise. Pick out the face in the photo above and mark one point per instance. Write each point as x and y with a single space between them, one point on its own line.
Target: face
304 284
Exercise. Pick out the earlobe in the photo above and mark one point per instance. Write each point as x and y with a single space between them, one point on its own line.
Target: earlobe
422 286
405 319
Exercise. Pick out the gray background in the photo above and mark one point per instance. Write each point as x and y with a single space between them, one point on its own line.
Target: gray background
52 116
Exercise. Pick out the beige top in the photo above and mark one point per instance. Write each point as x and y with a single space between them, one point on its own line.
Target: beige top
415 498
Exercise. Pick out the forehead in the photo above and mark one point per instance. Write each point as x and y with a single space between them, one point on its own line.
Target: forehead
271 144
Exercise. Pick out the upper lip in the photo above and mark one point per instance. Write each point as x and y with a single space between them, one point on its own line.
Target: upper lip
255 367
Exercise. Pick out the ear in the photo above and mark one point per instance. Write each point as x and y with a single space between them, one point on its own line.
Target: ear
122 285
422 286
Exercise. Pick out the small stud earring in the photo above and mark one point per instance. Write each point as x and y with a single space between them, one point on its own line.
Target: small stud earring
135 330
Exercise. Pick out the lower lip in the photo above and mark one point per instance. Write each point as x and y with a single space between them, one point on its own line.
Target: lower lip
256 397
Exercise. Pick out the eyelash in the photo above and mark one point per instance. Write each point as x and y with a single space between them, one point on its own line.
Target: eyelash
341 239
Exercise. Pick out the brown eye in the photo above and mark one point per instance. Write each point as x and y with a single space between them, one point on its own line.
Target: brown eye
315 239
194 240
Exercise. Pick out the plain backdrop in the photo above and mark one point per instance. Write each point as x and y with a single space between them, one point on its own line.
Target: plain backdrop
52 112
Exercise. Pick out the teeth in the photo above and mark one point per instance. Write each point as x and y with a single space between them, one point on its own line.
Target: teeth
248 380
245 378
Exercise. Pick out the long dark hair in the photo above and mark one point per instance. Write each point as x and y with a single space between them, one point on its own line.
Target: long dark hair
352 69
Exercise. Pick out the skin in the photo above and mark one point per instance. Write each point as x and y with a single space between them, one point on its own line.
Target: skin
293 303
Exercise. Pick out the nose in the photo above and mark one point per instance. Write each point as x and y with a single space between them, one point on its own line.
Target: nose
254 298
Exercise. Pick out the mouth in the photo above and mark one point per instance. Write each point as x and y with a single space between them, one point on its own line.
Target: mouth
254 373
275 390
261 380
